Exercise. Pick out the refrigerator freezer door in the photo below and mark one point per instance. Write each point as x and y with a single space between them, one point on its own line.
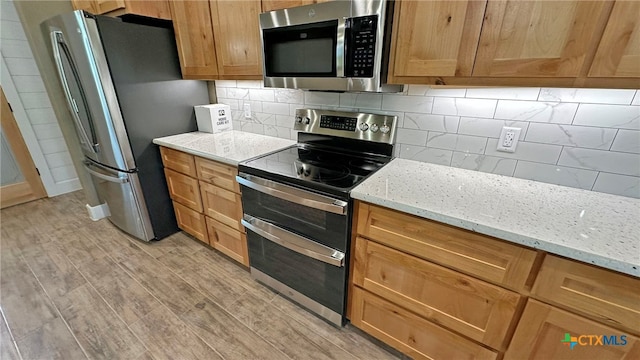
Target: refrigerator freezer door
121 192
84 74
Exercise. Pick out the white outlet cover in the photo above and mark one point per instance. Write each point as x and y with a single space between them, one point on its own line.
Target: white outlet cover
247 110
503 135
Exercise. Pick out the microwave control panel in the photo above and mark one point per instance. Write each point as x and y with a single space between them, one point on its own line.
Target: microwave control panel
361 43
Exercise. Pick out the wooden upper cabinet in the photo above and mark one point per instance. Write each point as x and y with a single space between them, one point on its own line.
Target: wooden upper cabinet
158 9
86 5
618 54
105 6
237 32
436 38
270 5
194 37
539 38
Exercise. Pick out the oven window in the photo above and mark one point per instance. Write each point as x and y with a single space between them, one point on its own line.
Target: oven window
302 50
317 280
323 227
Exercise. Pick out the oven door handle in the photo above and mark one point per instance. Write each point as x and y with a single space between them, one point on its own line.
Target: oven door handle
293 241
294 195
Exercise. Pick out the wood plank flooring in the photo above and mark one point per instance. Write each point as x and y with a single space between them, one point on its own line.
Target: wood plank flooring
71 288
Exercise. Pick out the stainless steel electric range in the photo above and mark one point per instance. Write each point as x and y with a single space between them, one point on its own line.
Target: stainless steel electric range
297 208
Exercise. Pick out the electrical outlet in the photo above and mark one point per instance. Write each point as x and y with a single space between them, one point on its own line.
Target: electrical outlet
509 139
247 110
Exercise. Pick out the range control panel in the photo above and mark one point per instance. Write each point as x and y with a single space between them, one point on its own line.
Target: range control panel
338 122
371 127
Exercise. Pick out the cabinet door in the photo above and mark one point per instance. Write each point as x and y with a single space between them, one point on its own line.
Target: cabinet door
436 38
538 38
459 302
409 333
270 5
218 174
222 205
105 6
194 37
618 54
236 26
183 189
178 161
86 5
192 222
228 241
543 329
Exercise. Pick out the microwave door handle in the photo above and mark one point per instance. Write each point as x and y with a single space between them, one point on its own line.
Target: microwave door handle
294 195
293 241
57 41
341 52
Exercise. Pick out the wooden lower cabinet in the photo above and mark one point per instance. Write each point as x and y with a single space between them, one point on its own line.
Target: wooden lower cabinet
191 221
546 332
222 205
408 332
228 241
459 302
183 189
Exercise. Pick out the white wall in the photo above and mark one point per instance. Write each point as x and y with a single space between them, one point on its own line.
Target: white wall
583 138
32 107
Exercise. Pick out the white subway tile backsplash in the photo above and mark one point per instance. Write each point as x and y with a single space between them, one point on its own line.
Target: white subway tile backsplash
464 107
411 137
47 131
618 185
42 116
321 98
29 84
559 113
361 100
504 93
484 163
11 30
569 135
275 108
582 179
627 141
430 122
425 90
17 66
594 96
8 11
35 100
542 153
489 127
407 103
614 116
15 49
253 84
261 95
463 143
607 161
289 96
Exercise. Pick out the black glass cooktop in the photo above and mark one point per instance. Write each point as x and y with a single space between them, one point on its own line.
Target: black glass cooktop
318 168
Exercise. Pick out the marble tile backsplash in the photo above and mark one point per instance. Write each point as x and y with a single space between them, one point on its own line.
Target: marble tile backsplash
583 138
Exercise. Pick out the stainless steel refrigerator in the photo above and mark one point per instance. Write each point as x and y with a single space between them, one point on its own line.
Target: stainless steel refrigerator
123 86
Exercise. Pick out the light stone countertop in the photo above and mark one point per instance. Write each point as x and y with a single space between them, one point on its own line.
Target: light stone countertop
588 226
229 147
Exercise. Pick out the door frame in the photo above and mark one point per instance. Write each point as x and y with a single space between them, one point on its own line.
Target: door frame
31 187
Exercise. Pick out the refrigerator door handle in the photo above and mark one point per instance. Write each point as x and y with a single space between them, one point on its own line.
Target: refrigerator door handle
99 175
56 41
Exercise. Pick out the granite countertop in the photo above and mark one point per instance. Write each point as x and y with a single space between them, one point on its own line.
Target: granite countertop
229 147
592 227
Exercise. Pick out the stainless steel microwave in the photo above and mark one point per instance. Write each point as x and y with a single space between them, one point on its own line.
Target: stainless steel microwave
333 46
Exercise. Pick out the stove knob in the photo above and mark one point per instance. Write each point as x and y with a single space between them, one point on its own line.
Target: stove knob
298 119
364 126
374 128
385 129
306 120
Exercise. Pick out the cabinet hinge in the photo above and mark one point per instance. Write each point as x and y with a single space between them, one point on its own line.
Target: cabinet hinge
10 108
38 171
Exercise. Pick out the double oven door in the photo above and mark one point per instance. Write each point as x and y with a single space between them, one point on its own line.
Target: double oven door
297 242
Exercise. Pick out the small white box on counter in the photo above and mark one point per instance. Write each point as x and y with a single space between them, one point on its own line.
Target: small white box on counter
213 118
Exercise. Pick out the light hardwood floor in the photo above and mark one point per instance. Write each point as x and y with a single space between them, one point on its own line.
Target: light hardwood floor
71 288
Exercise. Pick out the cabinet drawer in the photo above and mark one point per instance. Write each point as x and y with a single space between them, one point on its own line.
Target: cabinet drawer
543 328
479 255
604 295
191 222
222 205
408 332
178 161
218 174
183 189
228 241
472 307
